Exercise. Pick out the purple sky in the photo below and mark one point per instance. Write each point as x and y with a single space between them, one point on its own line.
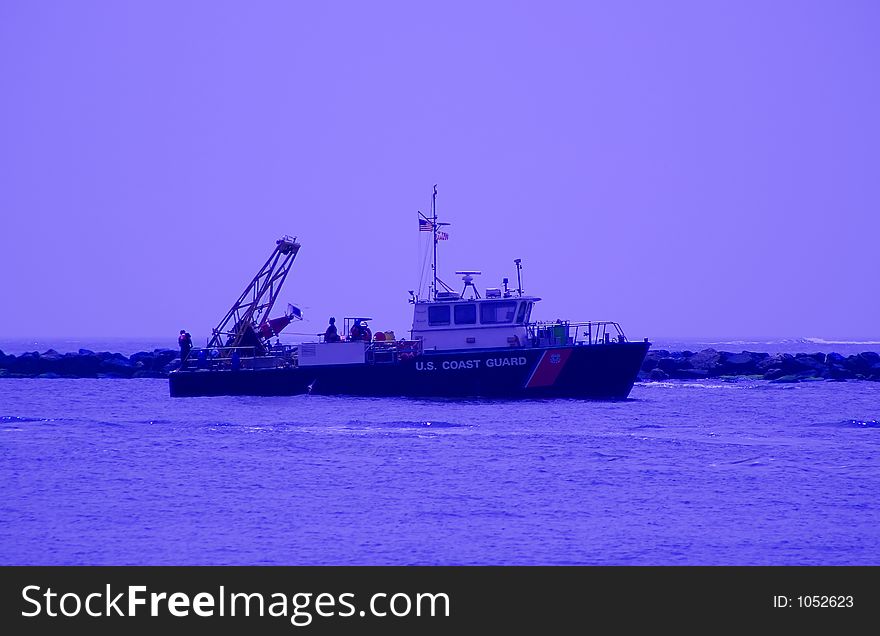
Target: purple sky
686 168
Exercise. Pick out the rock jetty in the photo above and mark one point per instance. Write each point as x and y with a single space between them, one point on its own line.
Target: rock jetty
659 365
88 364
782 367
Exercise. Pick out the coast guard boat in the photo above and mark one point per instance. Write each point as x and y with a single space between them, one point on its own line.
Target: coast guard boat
462 344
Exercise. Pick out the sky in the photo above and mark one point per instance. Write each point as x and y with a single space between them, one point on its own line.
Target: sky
685 168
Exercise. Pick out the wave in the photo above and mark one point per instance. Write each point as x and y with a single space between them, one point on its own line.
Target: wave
764 341
777 341
822 341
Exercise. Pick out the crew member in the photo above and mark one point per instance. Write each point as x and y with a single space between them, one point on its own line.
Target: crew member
331 335
186 345
355 332
366 333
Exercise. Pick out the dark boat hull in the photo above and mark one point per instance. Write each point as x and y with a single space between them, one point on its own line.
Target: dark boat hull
605 371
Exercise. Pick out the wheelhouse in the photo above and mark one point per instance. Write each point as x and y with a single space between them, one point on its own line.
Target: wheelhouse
474 323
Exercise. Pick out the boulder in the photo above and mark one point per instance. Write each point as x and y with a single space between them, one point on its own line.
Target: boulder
116 366
774 374
107 355
649 364
809 362
837 372
871 357
861 362
790 364
818 357
689 374
787 379
770 362
153 360
706 360
81 365
737 359
658 375
149 374
673 364
744 363
26 364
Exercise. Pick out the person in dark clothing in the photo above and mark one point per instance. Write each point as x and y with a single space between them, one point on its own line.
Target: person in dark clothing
331 335
186 345
355 332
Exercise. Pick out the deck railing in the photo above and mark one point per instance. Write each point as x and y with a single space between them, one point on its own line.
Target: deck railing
540 334
279 356
565 332
273 356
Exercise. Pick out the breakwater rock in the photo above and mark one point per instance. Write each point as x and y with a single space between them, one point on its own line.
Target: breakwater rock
89 364
782 367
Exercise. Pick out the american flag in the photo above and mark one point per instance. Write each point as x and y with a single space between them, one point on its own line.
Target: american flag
425 226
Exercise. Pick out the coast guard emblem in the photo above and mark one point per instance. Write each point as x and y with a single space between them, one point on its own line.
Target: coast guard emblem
555 358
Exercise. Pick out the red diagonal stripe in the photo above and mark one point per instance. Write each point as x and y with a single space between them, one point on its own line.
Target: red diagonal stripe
548 368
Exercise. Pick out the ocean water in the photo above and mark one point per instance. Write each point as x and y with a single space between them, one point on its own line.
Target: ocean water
103 471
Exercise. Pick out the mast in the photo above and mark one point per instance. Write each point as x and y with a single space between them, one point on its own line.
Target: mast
434 234
435 226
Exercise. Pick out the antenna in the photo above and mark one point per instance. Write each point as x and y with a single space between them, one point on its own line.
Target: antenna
468 277
519 289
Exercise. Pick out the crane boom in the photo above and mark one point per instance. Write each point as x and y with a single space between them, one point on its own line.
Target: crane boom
240 325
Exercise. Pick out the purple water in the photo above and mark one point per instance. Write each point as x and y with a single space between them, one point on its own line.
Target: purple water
746 472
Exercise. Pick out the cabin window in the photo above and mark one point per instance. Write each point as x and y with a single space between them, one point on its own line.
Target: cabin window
438 315
520 316
494 313
528 312
466 314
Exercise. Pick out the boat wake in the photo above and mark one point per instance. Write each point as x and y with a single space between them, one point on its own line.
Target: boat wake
692 385
852 424
406 424
9 419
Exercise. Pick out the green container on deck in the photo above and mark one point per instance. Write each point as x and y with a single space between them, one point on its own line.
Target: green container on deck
560 334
